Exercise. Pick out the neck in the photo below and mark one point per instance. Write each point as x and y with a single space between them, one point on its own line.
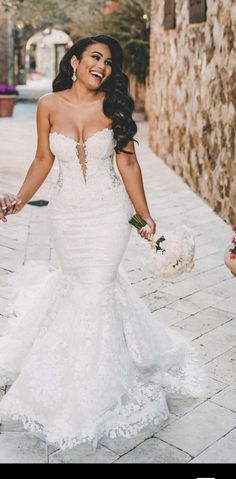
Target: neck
81 94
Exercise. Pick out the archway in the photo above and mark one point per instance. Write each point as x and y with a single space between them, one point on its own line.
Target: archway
44 51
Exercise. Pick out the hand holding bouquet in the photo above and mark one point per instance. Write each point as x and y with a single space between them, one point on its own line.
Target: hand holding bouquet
149 228
172 254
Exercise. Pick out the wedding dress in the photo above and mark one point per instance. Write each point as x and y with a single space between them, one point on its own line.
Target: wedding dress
84 356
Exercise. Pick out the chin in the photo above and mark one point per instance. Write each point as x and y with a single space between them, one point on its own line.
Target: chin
99 87
95 87
92 87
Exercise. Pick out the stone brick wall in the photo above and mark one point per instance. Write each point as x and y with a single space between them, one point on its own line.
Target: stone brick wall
6 49
192 100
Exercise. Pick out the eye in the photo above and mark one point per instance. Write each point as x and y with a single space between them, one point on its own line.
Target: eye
108 62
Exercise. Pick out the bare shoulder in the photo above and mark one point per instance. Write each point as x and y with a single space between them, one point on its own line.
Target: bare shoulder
48 104
47 100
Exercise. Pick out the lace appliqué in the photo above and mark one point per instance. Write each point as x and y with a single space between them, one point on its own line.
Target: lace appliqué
59 182
87 357
83 379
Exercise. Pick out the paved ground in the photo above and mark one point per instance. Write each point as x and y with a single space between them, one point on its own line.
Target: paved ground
200 304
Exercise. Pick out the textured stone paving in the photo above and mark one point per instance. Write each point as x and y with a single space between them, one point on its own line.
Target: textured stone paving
201 305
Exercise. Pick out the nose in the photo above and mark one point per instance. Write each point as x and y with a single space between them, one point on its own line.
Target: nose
102 65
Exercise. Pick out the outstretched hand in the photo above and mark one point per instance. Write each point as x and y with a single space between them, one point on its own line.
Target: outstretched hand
9 204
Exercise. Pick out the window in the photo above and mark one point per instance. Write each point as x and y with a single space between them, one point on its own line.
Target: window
197 11
169 14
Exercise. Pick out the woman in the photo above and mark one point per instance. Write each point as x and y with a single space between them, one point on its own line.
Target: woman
84 355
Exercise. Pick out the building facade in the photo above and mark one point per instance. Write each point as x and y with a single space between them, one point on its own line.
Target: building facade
192 99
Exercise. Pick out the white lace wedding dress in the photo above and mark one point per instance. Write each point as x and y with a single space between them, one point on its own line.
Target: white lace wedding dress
84 355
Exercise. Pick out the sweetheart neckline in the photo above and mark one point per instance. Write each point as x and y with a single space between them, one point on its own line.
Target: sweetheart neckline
78 142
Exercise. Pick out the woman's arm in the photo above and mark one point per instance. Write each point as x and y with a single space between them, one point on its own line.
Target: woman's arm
130 171
43 160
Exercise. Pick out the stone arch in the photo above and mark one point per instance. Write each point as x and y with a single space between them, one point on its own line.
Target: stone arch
44 50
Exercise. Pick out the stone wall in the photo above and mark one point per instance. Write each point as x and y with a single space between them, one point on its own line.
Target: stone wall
6 49
192 100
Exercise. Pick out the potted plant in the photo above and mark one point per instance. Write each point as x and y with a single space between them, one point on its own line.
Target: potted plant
8 97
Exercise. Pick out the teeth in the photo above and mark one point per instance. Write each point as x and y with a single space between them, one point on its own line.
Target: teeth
98 75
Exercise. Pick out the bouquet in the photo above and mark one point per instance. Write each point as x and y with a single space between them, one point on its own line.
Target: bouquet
233 241
172 254
230 253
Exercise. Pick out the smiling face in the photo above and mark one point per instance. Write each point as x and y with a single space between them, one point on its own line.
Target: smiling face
94 67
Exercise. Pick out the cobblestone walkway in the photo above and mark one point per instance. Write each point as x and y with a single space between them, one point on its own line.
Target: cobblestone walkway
200 304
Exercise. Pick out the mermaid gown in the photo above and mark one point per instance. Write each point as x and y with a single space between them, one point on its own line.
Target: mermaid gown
83 354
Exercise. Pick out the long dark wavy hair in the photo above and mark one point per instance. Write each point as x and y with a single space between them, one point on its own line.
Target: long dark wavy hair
118 103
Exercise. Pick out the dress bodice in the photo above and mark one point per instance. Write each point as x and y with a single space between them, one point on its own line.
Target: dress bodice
86 172
86 161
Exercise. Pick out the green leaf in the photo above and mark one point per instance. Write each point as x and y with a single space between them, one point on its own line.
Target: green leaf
157 245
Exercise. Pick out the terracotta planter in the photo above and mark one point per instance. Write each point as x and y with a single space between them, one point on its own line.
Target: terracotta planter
230 262
7 103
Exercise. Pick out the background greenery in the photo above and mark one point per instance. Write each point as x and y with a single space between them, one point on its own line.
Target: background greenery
129 22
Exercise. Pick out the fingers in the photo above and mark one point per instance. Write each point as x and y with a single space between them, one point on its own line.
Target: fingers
13 198
148 230
152 228
145 232
2 216
8 201
3 205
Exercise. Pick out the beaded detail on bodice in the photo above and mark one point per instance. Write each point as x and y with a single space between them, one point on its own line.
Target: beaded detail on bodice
95 155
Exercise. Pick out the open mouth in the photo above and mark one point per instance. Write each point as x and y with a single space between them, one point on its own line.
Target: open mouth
98 76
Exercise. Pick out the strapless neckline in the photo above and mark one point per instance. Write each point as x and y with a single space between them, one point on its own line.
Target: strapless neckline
85 141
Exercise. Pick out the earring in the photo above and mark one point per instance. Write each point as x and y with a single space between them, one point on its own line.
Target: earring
74 77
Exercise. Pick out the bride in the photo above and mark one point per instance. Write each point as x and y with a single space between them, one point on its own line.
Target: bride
83 355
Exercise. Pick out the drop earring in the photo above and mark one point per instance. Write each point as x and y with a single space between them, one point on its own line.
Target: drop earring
74 77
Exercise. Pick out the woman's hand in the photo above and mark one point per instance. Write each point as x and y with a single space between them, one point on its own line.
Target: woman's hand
9 204
149 229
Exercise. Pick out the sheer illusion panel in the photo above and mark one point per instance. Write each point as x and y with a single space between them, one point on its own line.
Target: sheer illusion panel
81 153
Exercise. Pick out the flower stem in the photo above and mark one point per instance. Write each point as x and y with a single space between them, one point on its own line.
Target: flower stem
137 221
